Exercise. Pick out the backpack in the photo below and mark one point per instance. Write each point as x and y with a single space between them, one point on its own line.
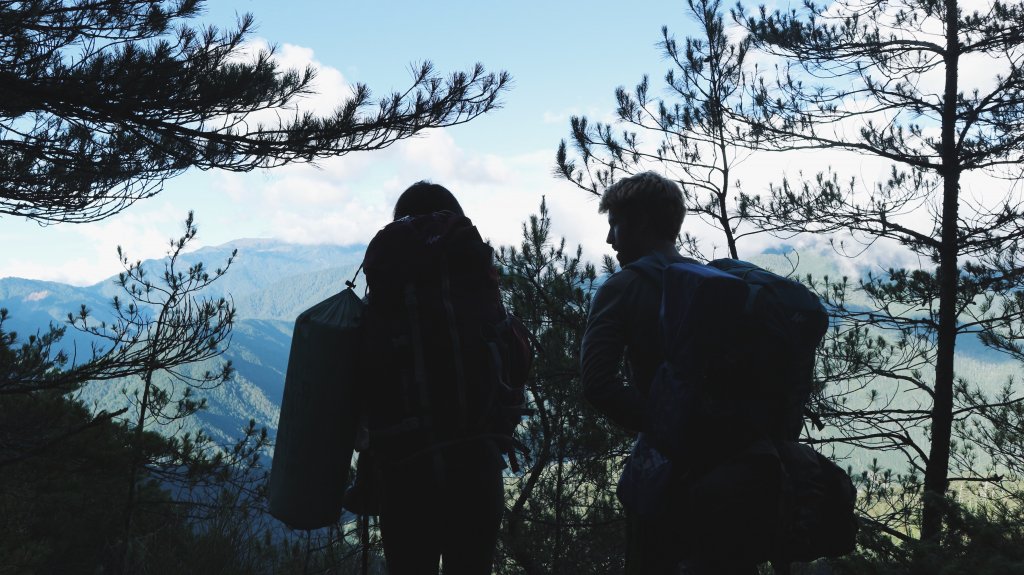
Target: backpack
443 361
317 426
739 345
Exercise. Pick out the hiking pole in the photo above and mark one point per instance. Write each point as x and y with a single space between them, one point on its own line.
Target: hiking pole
352 282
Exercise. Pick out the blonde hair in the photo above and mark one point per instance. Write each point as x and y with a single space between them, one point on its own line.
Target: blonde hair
654 195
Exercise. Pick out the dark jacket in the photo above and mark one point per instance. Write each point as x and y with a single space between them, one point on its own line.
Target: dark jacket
623 322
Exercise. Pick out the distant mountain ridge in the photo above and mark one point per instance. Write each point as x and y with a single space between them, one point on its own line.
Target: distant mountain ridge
270 282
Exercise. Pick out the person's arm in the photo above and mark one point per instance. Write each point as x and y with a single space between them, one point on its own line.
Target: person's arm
604 343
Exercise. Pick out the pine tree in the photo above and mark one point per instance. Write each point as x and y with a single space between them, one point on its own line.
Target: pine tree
562 515
884 79
697 141
169 328
101 102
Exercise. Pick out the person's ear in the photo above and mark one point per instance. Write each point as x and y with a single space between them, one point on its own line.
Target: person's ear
642 223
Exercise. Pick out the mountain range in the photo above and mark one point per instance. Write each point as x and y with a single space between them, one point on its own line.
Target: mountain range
271 282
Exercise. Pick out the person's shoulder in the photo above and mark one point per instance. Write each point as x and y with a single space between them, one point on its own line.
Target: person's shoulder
619 283
622 278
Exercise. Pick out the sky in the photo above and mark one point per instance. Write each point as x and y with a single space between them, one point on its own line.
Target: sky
566 58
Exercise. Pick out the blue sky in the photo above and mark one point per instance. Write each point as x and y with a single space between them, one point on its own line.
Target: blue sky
565 57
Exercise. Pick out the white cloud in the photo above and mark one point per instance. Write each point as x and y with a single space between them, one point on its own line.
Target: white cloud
84 254
329 88
37 295
142 235
436 154
350 224
77 271
330 85
347 200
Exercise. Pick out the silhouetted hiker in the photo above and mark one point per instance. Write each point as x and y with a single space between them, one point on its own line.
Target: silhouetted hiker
443 372
645 214
720 364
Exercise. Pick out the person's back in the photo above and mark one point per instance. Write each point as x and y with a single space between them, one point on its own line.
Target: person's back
434 364
433 296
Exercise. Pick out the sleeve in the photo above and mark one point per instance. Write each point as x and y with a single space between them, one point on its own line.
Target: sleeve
604 343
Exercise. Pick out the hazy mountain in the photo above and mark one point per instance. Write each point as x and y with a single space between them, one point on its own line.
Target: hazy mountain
271 283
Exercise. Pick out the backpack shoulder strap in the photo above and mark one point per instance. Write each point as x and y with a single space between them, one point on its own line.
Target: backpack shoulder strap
652 266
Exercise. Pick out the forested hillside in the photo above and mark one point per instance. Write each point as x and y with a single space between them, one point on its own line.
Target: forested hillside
270 284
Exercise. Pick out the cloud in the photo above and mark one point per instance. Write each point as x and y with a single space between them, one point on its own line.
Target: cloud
80 271
436 154
37 295
330 86
347 200
328 90
84 254
352 223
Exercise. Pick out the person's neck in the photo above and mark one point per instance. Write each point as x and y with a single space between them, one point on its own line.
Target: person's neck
667 249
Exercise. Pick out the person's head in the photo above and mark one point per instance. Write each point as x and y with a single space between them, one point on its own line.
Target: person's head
424 198
645 212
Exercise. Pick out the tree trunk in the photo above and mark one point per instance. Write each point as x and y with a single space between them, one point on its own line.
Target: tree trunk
936 479
364 543
559 506
521 553
133 473
722 142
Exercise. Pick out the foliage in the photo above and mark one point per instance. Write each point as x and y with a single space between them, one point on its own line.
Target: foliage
142 485
984 538
83 492
882 79
63 509
103 101
698 140
56 510
562 511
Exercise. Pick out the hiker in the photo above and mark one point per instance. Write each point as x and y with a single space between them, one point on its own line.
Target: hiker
444 365
645 214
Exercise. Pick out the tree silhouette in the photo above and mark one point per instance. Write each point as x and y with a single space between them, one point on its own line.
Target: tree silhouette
883 79
102 101
168 328
157 475
698 142
562 513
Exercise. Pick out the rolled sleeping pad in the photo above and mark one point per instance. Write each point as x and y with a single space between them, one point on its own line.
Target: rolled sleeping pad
317 426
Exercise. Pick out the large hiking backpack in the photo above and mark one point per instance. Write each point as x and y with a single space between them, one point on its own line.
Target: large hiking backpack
317 426
443 361
724 411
